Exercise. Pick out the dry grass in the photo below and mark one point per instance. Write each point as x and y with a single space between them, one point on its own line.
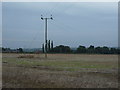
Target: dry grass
60 71
18 77
26 56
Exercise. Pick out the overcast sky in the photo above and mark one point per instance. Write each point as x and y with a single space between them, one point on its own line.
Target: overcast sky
74 24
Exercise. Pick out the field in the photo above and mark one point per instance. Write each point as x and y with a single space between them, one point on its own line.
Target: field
59 71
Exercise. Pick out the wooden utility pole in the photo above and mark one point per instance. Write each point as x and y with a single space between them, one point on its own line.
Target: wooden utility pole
46 19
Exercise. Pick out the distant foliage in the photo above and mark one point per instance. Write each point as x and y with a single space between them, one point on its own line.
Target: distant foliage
49 46
66 49
51 50
62 49
81 49
20 50
97 50
43 50
8 50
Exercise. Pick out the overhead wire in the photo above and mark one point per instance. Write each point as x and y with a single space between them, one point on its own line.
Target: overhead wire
60 24
35 36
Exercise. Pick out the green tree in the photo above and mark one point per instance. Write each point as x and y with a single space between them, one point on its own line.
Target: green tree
105 50
98 50
91 49
3 49
43 49
113 51
20 50
62 49
49 46
81 49
118 51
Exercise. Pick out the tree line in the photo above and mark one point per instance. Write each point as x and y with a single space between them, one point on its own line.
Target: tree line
97 50
66 49
80 49
8 50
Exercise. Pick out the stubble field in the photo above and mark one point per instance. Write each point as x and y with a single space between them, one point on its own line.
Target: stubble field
59 71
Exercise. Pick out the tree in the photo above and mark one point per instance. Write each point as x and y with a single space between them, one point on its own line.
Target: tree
98 50
105 50
113 51
20 50
62 49
81 49
67 49
46 47
49 46
43 48
118 51
91 49
3 49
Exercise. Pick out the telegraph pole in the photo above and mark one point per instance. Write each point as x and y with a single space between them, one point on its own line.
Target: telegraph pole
46 19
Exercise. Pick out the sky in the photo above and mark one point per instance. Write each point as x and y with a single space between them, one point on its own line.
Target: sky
73 24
